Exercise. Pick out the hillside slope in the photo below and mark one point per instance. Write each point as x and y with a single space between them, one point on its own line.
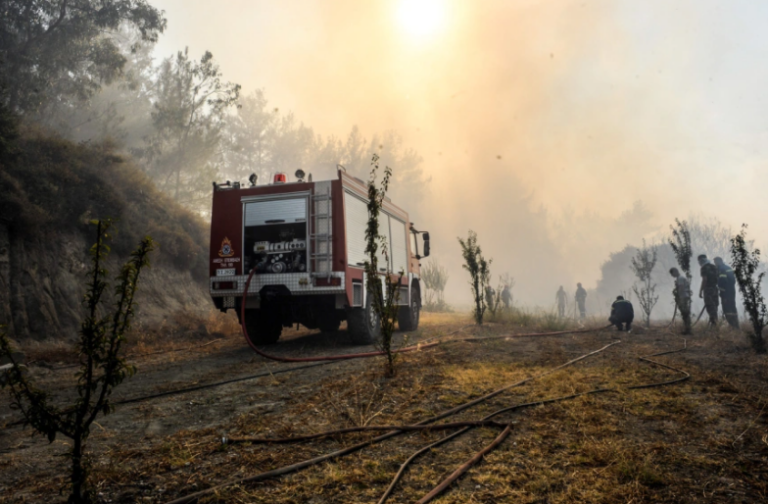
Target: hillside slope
49 190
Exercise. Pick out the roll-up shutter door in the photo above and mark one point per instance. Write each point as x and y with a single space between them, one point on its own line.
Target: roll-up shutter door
399 250
356 222
259 213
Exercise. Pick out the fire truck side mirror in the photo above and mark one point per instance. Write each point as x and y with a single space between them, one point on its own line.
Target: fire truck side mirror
426 244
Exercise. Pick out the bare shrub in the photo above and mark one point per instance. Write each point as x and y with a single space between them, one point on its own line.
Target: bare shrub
384 289
435 278
642 265
745 267
680 242
479 272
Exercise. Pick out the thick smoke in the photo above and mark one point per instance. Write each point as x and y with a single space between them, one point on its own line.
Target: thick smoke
541 124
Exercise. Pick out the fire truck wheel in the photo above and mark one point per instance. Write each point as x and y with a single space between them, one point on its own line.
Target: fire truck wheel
263 328
363 324
408 316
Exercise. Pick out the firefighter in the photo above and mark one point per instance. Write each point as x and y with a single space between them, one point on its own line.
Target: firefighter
682 295
561 297
581 300
726 283
506 297
708 289
489 295
622 314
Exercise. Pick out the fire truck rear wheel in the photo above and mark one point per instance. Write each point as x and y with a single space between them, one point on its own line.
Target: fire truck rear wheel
408 316
363 324
263 327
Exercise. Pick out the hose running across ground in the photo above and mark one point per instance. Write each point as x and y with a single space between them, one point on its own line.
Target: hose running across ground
351 449
496 442
467 426
376 353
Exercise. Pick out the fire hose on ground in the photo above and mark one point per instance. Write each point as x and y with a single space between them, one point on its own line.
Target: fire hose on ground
376 353
425 424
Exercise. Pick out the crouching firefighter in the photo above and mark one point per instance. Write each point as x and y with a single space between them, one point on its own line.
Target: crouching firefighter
622 314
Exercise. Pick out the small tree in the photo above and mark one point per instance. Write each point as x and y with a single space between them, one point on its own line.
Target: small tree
479 272
384 297
745 266
435 277
642 265
681 247
102 367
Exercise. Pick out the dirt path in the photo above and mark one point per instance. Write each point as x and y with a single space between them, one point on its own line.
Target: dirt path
651 446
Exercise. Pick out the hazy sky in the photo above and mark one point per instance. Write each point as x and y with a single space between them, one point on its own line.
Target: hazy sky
591 105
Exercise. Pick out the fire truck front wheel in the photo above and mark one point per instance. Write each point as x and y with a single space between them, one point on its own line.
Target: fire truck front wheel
263 327
363 324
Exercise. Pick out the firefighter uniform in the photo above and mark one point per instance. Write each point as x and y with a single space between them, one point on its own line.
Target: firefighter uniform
490 294
581 300
682 293
622 314
560 296
726 283
506 297
709 289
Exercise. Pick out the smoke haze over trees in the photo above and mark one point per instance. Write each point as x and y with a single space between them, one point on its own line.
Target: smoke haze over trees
547 128
57 54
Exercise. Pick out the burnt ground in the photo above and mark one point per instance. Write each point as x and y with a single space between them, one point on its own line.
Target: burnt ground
702 440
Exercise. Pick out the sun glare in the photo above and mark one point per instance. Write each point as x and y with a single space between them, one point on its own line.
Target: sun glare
421 18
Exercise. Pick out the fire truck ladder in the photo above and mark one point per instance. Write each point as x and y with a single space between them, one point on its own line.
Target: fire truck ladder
322 215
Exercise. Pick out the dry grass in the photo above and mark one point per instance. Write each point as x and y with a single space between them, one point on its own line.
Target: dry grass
183 331
705 440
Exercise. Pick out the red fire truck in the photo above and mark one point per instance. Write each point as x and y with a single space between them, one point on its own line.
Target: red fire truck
305 243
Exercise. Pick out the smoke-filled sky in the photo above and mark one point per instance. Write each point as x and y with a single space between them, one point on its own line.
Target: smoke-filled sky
541 123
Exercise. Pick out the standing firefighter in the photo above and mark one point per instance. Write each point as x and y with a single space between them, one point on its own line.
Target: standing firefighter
726 283
490 294
622 314
581 300
506 297
682 294
561 297
709 290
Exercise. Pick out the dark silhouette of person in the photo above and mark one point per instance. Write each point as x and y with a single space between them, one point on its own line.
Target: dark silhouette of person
581 300
726 284
561 297
682 294
622 314
709 289
506 297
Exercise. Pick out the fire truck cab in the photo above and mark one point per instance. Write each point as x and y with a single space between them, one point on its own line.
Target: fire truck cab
305 243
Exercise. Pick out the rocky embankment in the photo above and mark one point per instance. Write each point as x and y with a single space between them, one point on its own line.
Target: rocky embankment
42 283
49 189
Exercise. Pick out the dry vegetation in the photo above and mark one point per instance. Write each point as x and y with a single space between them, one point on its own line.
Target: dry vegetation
703 440
52 186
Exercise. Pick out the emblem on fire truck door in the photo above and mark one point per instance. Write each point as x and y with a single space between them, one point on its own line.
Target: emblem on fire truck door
226 248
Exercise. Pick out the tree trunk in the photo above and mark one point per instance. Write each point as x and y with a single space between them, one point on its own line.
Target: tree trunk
79 493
